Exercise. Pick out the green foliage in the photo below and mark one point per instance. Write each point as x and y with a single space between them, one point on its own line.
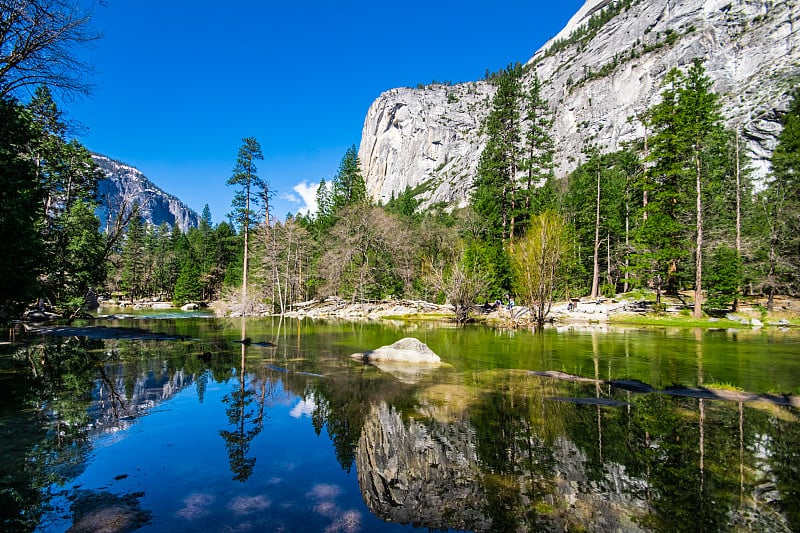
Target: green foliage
405 205
74 248
188 287
537 262
133 256
616 173
21 208
489 259
777 225
687 132
723 277
494 188
348 184
245 175
84 251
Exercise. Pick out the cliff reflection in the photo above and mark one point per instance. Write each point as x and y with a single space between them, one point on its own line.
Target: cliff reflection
505 456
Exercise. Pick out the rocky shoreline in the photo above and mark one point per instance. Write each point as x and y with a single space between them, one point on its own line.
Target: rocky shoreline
574 311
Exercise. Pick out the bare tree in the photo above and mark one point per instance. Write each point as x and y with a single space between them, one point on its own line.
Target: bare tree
370 251
285 251
460 285
38 39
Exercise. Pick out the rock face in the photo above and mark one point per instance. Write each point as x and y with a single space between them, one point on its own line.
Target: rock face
424 139
597 83
415 474
124 184
408 350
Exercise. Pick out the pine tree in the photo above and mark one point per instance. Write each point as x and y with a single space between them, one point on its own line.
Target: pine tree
245 175
596 203
494 190
703 126
348 184
687 129
539 147
780 210
324 217
68 177
21 208
133 260
188 287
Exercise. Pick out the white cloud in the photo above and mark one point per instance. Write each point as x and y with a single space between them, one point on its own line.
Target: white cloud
308 196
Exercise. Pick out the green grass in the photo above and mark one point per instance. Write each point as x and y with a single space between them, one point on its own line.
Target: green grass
722 386
419 317
678 321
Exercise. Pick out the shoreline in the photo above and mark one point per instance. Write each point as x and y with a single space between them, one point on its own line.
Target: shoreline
601 311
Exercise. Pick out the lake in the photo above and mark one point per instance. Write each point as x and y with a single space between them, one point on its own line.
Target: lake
189 430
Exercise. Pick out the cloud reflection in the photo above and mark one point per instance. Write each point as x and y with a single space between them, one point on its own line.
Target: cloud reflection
305 407
196 506
249 504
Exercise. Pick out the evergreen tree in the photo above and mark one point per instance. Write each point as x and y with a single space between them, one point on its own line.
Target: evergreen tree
83 254
659 242
723 277
188 287
348 184
703 126
494 195
324 217
780 211
596 203
69 177
245 175
687 130
202 240
133 256
539 148
21 209
494 190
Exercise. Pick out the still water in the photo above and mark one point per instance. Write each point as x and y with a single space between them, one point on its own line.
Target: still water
288 433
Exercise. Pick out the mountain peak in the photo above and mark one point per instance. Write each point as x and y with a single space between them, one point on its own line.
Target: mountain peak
125 185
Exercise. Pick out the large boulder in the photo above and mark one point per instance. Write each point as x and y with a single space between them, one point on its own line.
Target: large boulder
408 350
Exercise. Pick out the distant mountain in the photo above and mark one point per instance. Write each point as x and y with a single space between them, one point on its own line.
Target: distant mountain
600 73
123 185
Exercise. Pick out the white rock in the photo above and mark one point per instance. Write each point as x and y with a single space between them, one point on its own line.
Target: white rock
408 350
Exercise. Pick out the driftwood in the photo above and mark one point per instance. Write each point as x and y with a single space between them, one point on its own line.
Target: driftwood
707 393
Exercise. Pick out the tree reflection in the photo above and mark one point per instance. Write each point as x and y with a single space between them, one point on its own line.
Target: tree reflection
246 422
55 393
48 395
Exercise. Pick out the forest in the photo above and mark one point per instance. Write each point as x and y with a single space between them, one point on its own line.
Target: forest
676 211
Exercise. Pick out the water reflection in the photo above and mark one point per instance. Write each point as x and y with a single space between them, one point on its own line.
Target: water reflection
246 421
470 446
517 461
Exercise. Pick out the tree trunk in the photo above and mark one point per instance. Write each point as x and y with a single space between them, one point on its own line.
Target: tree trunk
626 287
245 257
596 272
698 277
738 219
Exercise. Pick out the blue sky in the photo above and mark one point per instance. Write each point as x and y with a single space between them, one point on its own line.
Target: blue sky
178 84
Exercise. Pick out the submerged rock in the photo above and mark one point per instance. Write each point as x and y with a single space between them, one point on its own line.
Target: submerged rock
408 350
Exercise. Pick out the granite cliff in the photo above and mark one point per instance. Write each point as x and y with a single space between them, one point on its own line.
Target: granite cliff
123 185
600 72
